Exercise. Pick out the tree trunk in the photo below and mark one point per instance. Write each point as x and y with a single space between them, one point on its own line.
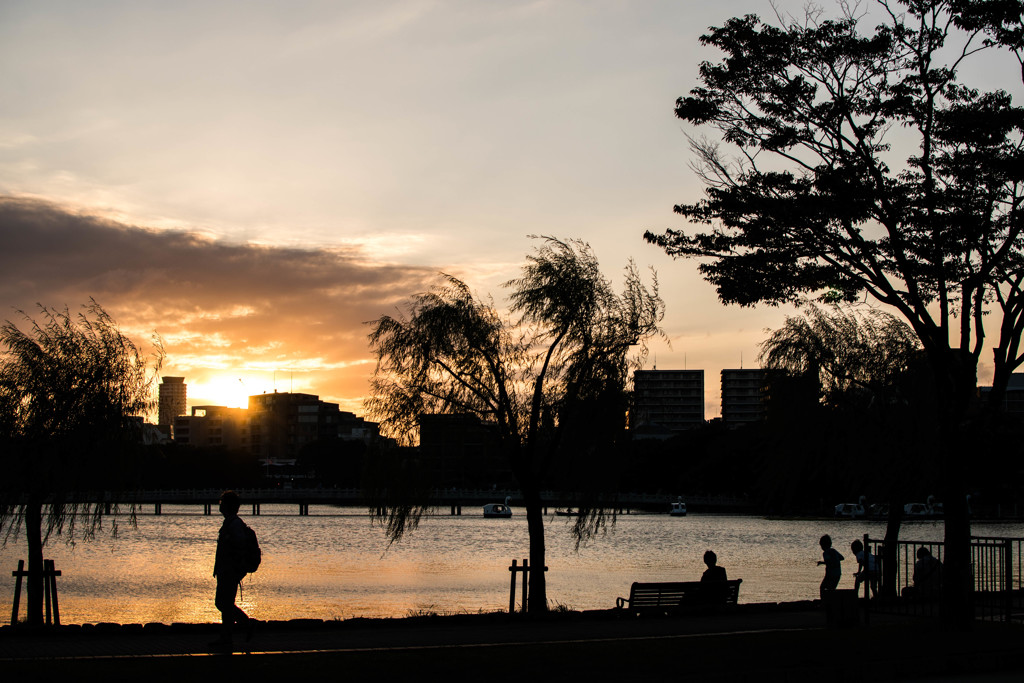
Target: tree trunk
1001 372
34 537
890 549
538 602
956 427
957 588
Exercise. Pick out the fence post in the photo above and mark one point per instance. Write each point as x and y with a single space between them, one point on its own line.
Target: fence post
866 577
1007 587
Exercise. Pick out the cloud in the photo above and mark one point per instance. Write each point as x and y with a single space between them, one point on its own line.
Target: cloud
219 306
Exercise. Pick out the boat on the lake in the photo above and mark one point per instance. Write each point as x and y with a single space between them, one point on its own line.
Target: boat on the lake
498 509
678 508
851 510
926 510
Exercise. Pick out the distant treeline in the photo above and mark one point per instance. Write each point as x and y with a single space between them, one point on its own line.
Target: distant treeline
782 465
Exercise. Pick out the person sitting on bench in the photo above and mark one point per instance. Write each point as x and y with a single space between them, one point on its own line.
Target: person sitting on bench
714 591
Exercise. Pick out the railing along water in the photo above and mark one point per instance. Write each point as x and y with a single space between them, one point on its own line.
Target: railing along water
997 571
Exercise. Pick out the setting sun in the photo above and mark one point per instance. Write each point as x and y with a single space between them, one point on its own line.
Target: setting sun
230 390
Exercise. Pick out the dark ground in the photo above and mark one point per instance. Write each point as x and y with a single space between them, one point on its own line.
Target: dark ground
752 643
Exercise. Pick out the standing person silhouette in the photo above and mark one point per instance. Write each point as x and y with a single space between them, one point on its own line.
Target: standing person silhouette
867 568
831 558
229 568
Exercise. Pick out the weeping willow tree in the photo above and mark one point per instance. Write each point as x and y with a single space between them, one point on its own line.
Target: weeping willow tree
865 363
552 377
72 390
847 352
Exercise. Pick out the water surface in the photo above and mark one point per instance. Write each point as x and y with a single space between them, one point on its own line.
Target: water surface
335 563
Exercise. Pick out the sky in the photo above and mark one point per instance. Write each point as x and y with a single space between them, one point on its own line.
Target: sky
253 181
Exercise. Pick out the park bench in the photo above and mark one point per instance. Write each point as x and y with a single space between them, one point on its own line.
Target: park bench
679 596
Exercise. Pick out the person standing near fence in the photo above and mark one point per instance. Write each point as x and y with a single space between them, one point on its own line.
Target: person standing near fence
867 569
832 560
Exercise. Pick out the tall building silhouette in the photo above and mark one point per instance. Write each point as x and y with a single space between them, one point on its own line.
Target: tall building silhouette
670 399
743 396
173 394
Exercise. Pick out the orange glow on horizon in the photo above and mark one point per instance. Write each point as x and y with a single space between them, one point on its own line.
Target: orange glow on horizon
230 390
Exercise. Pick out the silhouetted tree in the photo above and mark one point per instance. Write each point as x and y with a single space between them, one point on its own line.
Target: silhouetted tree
862 362
553 379
1001 23
819 200
850 353
72 392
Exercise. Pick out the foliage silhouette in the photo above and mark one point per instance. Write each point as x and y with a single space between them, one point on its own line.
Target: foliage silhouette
874 414
819 200
553 379
73 390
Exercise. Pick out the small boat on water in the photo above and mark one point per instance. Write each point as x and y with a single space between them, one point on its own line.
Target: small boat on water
851 510
678 508
498 509
927 510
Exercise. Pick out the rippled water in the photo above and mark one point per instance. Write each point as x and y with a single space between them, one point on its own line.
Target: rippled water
335 564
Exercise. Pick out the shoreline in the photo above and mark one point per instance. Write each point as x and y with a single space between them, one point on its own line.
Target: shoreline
156 627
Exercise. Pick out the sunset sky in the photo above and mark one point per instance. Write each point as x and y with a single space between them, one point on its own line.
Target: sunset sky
254 180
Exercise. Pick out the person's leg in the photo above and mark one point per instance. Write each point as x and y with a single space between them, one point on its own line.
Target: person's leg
227 589
829 583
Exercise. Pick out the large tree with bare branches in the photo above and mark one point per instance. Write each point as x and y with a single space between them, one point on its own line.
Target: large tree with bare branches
552 375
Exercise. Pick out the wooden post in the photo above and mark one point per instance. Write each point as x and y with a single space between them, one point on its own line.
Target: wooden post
526 585
157 509
511 592
207 508
46 592
21 573
515 569
50 575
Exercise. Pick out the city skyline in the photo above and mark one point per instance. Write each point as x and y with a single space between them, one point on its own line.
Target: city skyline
253 184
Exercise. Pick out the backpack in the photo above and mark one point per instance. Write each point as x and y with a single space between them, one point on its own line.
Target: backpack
251 553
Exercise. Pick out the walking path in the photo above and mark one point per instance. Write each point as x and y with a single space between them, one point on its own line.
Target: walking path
753 642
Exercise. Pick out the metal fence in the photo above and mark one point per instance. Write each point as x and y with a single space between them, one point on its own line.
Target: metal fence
997 572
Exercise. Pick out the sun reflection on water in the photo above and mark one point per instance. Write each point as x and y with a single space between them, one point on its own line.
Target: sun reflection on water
335 563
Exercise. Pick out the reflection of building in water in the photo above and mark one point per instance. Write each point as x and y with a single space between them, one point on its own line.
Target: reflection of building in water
172 401
743 396
462 451
672 400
